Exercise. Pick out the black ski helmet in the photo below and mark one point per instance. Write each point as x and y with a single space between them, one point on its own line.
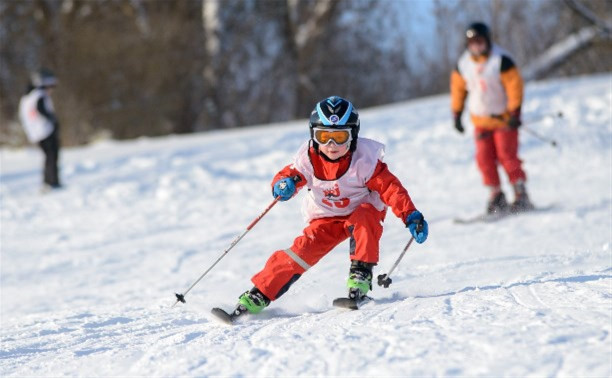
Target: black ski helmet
478 29
335 113
44 77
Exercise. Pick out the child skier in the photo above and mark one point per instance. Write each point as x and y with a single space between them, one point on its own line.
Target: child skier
349 189
495 87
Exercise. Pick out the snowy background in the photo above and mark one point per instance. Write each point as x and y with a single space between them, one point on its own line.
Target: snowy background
88 273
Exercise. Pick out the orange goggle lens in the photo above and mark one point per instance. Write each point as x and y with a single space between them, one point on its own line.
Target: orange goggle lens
338 136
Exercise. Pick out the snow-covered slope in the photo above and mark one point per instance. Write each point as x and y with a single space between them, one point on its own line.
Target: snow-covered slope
88 274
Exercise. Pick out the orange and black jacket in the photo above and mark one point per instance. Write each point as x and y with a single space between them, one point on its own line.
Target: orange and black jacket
511 81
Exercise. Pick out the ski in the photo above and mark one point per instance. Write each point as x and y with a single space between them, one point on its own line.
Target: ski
223 316
343 302
484 218
350 303
489 218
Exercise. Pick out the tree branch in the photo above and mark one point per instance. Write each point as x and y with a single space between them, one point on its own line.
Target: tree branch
583 11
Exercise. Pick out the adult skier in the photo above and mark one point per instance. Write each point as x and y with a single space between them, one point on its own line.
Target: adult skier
40 124
349 190
488 77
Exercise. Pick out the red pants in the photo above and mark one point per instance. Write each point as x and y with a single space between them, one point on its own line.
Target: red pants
498 146
284 267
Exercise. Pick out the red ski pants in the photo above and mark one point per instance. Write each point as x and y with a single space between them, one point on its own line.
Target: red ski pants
498 146
284 267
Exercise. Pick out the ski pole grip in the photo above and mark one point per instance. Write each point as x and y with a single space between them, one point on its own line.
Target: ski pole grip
419 226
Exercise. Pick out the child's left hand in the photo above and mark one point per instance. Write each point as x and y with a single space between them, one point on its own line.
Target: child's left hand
417 225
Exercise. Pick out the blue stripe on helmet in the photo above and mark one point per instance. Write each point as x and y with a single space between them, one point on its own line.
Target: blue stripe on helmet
322 116
334 104
346 115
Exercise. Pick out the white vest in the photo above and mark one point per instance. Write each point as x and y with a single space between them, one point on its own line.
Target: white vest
36 126
342 196
487 95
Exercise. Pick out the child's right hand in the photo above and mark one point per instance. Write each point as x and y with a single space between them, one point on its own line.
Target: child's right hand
284 189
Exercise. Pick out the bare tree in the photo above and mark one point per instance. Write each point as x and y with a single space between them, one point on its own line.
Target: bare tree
125 66
545 38
605 26
306 22
139 67
559 52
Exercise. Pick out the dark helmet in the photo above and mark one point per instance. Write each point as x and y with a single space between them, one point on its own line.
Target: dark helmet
43 78
335 113
478 29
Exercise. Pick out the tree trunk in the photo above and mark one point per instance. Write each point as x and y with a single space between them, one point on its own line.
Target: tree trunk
302 39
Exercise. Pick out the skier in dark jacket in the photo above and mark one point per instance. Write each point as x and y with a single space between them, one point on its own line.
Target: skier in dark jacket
40 123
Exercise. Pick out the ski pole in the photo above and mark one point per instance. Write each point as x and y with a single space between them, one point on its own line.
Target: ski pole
385 279
540 137
532 132
537 135
181 297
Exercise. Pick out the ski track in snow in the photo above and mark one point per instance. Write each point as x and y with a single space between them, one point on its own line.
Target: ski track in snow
88 273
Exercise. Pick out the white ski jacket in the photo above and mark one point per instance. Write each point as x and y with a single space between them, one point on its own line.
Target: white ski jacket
36 126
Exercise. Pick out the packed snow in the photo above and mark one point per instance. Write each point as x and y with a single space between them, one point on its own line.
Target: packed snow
88 273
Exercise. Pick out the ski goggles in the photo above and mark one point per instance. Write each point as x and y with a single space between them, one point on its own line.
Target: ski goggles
476 39
326 136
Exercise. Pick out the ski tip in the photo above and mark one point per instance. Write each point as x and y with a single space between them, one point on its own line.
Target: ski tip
222 316
347 303
350 303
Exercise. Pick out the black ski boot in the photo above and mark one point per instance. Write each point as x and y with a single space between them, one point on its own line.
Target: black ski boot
497 204
521 199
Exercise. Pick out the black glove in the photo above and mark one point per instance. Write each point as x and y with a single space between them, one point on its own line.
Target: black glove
458 124
515 119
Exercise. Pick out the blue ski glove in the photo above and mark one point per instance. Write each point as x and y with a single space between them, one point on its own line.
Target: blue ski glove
417 225
284 189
